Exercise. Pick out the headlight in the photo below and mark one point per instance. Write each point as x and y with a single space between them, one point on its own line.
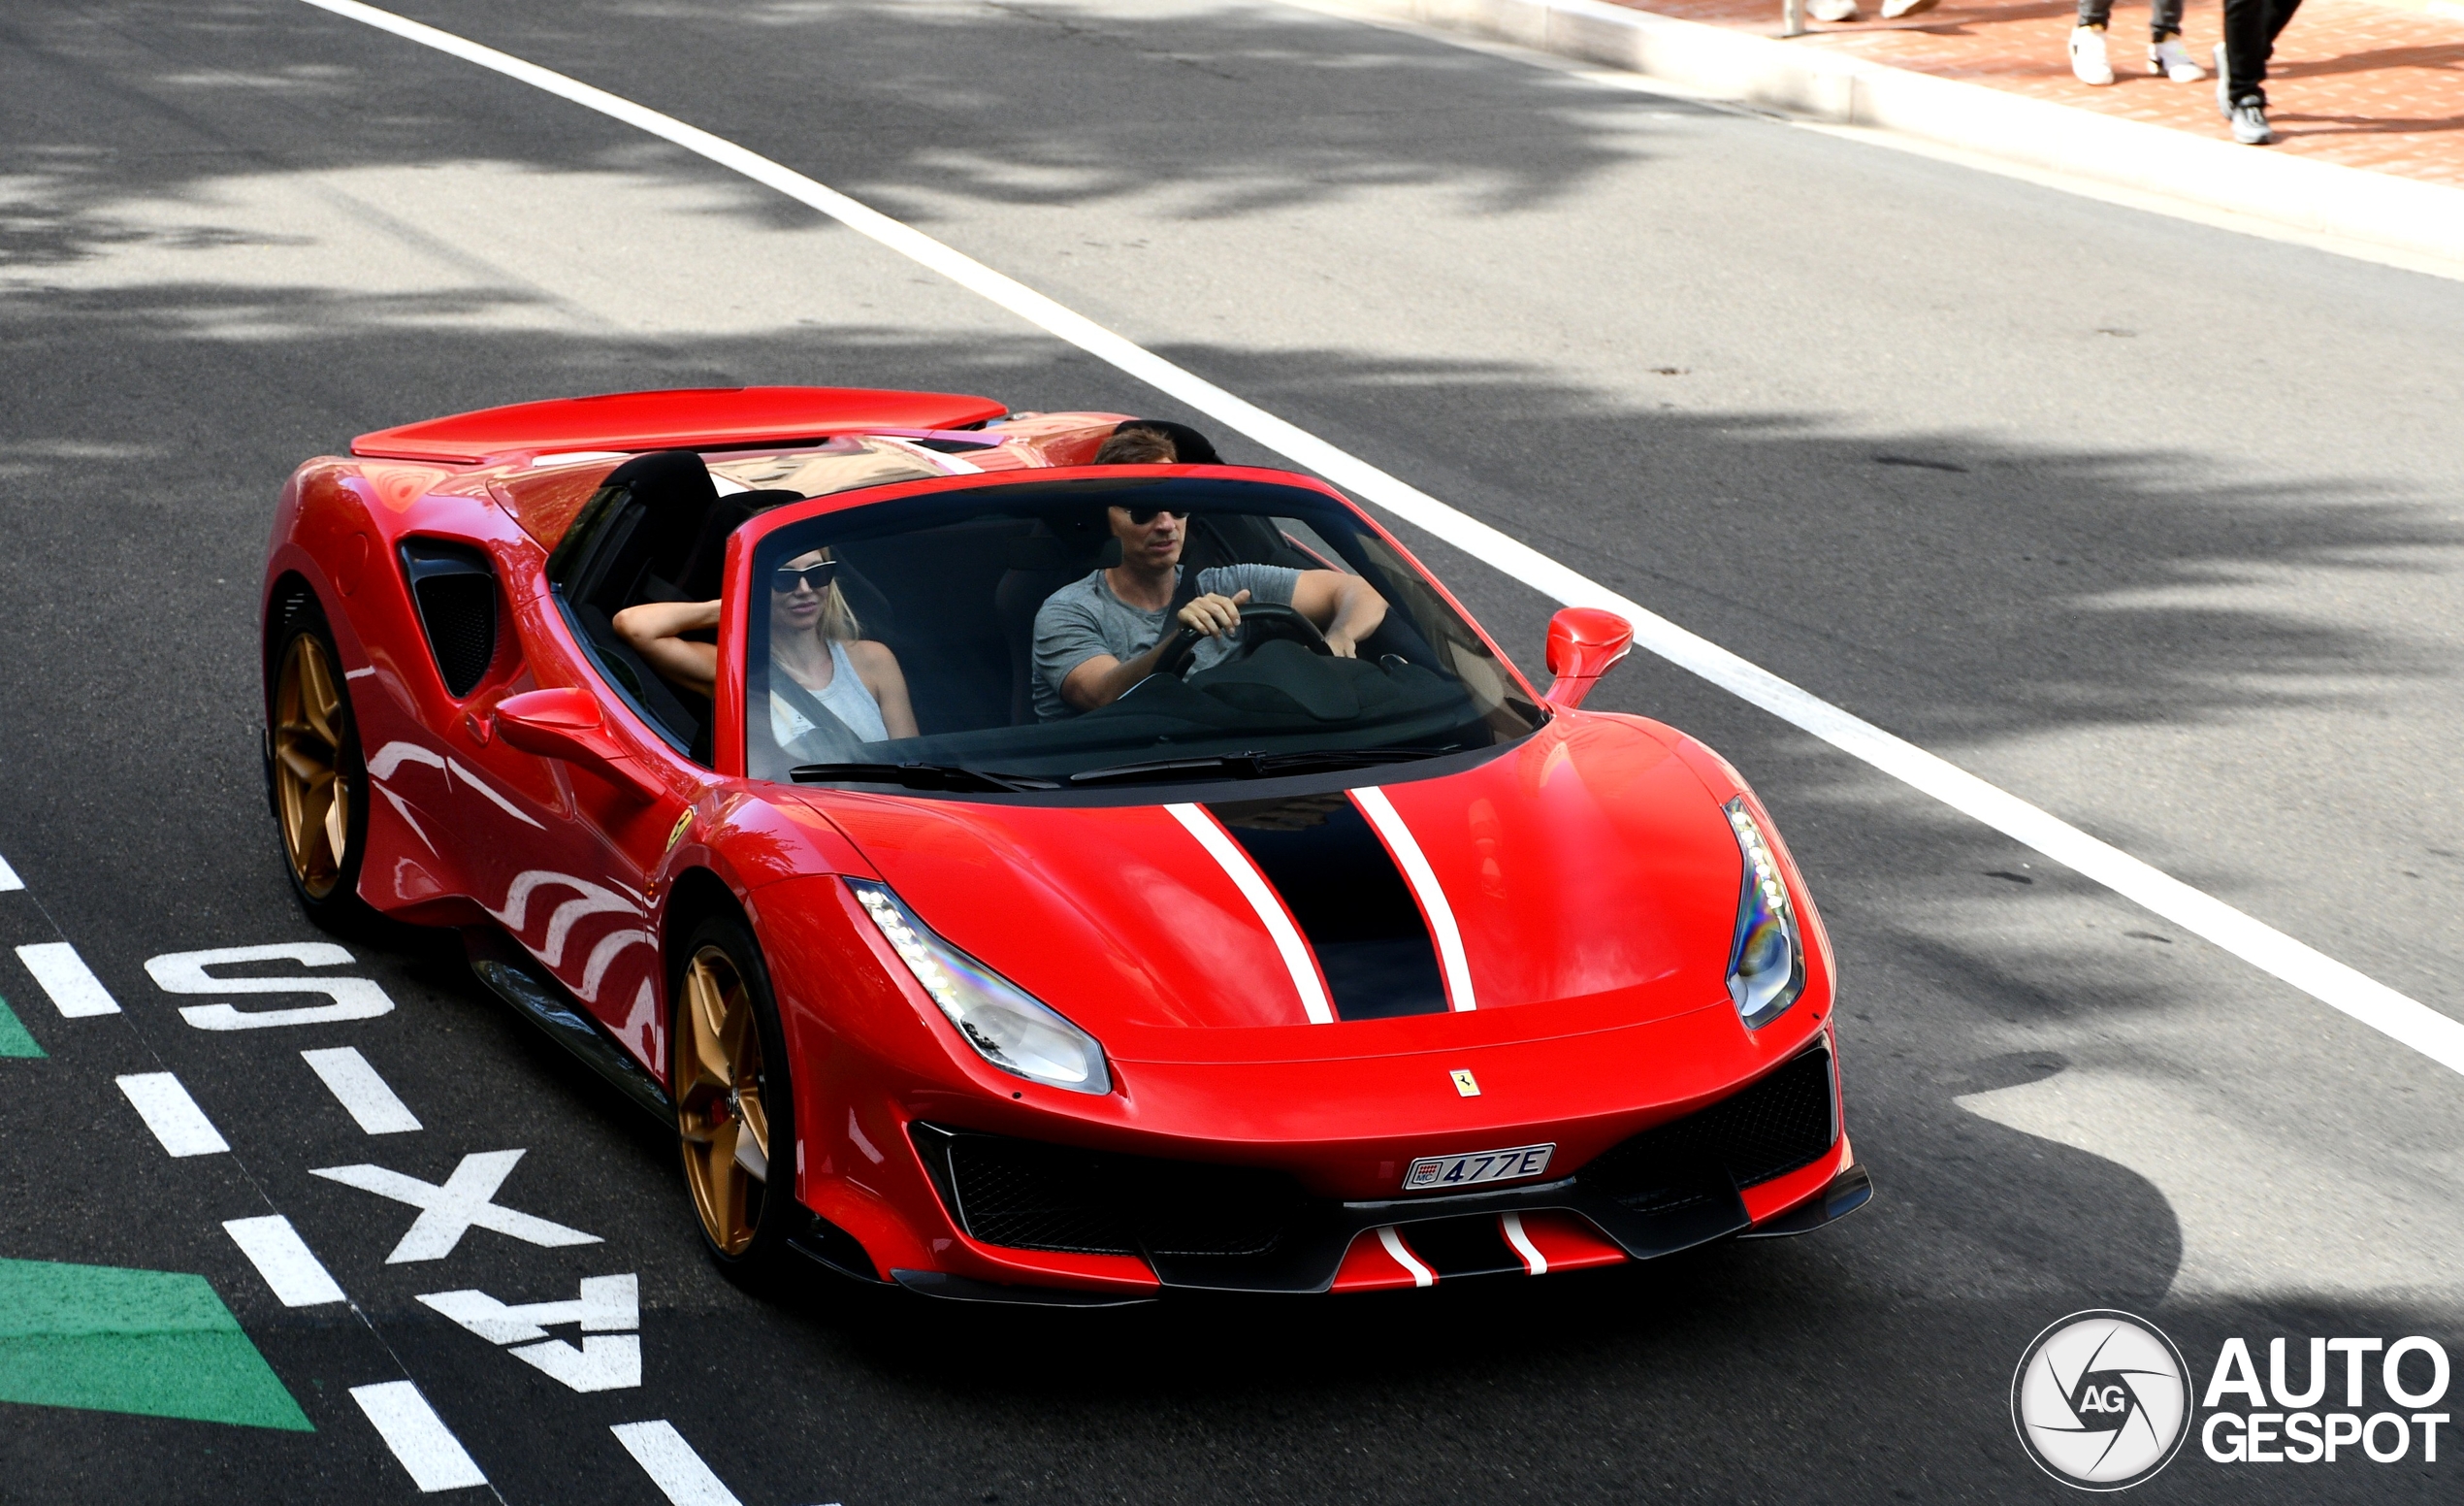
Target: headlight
1004 1024
1766 960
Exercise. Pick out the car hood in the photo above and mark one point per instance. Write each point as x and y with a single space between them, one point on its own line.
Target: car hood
1589 874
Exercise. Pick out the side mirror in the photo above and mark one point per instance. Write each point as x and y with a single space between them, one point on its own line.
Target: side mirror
1583 643
564 723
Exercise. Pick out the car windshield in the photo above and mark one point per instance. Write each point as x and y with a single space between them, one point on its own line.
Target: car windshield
960 641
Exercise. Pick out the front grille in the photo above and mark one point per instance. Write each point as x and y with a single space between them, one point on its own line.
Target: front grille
1028 1196
1772 1127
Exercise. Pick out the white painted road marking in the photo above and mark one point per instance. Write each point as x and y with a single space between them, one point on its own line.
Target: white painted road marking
2321 976
460 1205
74 989
299 1279
1298 960
608 1359
419 1438
357 1087
8 878
671 1464
184 972
173 1115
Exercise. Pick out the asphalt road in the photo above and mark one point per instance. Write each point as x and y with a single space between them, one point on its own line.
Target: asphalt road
2150 523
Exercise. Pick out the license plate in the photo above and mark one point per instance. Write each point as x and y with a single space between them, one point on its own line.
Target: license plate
1523 1161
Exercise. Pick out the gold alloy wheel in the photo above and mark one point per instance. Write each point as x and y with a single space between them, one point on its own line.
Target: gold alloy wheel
309 789
719 1109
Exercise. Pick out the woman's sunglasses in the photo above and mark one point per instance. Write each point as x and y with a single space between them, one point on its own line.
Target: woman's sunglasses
815 577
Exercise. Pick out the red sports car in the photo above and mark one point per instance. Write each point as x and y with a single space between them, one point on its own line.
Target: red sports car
1019 874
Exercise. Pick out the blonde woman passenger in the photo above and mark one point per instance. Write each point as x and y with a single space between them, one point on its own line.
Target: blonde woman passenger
828 682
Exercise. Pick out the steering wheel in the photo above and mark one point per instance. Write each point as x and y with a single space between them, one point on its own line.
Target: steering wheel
1260 622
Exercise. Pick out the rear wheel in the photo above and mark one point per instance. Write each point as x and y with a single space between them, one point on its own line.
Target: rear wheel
734 1109
315 774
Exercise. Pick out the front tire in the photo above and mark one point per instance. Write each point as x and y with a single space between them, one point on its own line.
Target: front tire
736 1108
317 777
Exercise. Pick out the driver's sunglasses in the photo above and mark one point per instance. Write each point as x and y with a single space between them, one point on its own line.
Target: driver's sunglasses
1139 517
815 577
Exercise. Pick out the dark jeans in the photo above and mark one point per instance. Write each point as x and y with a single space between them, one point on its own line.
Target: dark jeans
2250 40
2164 16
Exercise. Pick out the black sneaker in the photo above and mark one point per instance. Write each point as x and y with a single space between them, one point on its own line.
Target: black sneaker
2250 122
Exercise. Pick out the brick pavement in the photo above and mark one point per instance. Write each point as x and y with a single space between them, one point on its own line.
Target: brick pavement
2369 83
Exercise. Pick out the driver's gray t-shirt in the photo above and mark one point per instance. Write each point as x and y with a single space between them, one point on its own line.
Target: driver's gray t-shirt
1084 619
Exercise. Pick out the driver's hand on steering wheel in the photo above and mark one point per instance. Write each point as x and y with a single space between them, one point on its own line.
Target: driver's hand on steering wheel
1213 615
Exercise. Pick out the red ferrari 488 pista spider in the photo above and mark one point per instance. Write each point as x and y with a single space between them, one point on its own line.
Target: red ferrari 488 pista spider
1019 877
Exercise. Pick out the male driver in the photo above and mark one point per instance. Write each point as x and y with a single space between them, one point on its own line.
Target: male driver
1097 638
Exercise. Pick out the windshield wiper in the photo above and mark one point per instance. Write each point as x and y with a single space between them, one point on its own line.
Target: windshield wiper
918 776
1254 764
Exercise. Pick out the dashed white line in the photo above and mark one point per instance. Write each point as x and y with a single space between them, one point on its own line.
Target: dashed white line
299 1279
8 878
356 1085
173 1115
2324 978
425 1446
74 989
671 1464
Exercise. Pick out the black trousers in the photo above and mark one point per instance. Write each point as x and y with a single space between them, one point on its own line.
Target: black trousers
2164 16
2250 27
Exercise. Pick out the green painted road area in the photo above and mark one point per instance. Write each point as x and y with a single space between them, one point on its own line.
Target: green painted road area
14 1039
157 1343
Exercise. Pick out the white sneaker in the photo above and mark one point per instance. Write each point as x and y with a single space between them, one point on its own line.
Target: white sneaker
1830 9
2088 58
2224 85
1892 9
2169 60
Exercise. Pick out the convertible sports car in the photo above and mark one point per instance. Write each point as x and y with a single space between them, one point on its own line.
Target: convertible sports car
1328 955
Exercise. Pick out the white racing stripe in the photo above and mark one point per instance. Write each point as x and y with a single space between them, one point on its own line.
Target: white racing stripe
1421 1275
355 1084
2314 973
1298 960
299 1279
1406 848
419 1438
74 989
173 1115
1533 1260
672 1466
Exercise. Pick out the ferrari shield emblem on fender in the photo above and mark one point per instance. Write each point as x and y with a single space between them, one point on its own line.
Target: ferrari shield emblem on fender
1465 1084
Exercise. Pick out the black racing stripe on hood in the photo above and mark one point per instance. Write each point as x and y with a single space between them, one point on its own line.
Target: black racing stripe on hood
1343 888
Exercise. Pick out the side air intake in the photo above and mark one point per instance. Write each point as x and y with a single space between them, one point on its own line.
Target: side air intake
456 592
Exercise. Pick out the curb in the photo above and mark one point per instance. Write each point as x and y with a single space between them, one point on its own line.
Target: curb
2316 198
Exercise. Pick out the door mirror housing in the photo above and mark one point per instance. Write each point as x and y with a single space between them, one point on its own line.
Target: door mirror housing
1583 643
565 723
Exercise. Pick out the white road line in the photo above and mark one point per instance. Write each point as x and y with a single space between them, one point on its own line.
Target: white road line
1423 880
74 989
355 1084
2321 976
671 1464
299 1279
419 1438
1421 1275
173 1115
8 878
1298 960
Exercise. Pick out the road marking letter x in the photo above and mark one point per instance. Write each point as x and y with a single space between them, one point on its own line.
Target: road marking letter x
462 1203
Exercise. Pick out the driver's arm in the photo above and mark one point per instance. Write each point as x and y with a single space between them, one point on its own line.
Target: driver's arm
1103 679
1345 607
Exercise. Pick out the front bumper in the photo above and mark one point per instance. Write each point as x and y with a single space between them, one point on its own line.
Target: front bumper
1767 1159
